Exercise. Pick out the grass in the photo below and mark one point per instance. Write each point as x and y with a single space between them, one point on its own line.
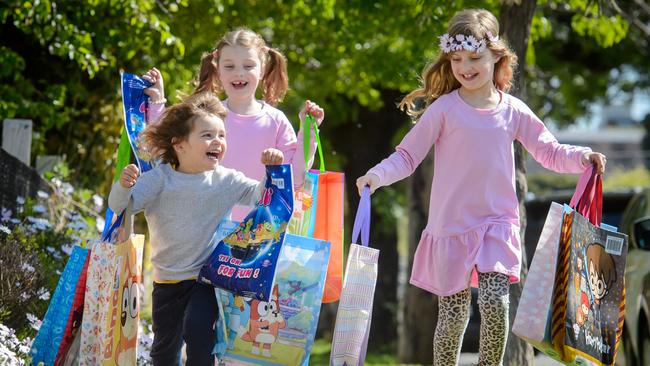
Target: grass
385 355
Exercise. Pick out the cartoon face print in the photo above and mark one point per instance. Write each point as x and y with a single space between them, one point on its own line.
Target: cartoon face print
602 271
582 315
130 305
597 282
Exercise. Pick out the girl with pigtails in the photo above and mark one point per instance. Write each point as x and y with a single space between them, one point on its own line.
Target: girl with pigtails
239 64
471 238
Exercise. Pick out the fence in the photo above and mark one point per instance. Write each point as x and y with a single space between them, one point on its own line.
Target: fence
17 180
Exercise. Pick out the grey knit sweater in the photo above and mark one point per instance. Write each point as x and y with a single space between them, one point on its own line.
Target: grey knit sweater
182 212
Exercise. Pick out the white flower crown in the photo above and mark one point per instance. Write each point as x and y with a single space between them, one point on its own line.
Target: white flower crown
462 42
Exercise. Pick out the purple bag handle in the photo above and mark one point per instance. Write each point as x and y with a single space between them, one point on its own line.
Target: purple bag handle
581 186
362 219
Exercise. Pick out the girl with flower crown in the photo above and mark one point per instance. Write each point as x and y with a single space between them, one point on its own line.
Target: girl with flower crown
472 233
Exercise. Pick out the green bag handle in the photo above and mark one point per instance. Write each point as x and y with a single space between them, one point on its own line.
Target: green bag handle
123 155
307 124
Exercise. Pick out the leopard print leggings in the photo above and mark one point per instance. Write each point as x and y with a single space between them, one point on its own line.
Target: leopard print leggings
453 316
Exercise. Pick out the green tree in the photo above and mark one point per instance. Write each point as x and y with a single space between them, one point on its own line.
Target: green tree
60 67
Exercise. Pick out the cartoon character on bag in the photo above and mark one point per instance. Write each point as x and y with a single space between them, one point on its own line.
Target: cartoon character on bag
264 324
602 272
582 314
128 336
580 276
234 317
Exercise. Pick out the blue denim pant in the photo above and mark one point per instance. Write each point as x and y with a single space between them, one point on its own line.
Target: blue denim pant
183 312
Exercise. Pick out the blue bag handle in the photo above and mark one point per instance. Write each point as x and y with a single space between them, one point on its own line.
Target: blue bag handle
106 235
362 219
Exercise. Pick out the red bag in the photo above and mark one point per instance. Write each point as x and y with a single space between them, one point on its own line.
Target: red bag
76 313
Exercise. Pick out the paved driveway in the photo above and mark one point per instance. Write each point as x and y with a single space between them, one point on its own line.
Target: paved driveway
470 359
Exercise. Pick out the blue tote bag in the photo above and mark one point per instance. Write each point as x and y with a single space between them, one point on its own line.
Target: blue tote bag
48 340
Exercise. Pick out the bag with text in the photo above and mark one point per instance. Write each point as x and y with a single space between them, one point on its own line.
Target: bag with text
244 262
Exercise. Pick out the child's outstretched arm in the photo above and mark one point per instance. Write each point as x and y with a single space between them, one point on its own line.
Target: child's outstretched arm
157 94
143 189
551 154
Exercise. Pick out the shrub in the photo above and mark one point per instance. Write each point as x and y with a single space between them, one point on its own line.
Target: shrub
35 243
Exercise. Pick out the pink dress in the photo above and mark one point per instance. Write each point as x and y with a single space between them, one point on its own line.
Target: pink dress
473 213
249 135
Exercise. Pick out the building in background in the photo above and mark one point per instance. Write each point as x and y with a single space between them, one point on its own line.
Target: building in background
618 137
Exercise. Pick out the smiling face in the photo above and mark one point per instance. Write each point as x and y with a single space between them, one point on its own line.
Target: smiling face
240 71
205 146
473 70
597 282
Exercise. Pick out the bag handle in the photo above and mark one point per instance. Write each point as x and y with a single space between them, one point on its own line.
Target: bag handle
362 219
107 234
306 129
581 186
588 196
124 219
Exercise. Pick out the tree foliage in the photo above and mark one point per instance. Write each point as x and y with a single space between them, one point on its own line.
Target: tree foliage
578 53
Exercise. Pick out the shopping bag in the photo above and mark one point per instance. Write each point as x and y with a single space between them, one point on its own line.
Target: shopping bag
355 307
321 201
244 262
595 296
121 337
304 212
97 297
594 289
294 310
51 338
69 345
532 322
533 319
328 226
109 326
134 104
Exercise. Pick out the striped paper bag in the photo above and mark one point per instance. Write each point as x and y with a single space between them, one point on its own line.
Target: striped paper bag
355 306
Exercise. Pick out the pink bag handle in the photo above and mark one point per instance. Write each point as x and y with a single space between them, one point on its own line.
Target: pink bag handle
588 196
581 186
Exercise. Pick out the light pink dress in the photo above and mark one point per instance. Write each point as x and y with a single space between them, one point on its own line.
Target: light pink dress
248 135
473 213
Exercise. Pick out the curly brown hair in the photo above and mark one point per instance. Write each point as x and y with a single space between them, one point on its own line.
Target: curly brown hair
176 124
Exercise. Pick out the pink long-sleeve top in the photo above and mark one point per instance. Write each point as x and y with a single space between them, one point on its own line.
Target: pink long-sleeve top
473 219
248 135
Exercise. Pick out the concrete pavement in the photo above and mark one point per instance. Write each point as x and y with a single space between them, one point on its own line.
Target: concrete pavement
470 359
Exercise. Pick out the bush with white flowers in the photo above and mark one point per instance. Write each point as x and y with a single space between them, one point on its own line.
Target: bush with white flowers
13 351
35 243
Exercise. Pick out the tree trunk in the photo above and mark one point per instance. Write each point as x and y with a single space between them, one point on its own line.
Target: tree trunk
515 27
377 127
418 308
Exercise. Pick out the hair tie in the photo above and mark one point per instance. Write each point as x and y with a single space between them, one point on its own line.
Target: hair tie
215 53
266 49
